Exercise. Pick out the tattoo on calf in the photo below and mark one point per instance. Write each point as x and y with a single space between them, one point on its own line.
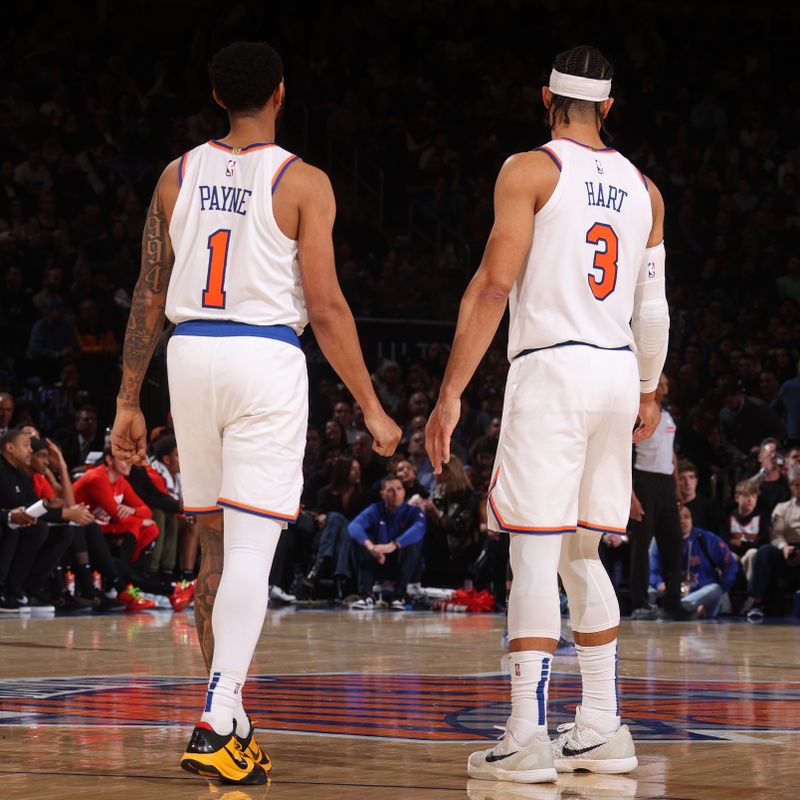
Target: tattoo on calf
211 557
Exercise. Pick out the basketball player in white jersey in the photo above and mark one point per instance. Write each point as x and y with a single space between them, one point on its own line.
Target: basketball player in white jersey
577 249
237 252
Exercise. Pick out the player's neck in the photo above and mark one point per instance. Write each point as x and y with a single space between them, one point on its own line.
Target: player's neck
249 130
583 132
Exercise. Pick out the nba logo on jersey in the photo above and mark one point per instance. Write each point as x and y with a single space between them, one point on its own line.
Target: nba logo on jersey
230 167
599 166
651 269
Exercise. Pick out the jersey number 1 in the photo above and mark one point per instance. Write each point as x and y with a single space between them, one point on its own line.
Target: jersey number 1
605 259
218 244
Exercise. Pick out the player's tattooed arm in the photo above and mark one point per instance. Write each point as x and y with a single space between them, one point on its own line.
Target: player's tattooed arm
146 320
208 581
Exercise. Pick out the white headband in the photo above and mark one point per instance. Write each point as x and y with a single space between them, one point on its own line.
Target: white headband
579 88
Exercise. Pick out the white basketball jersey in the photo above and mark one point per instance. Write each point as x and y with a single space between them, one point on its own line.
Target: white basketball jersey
232 261
588 243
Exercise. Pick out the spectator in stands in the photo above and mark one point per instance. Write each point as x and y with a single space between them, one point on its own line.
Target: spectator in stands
82 441
486 443
313 444
746 529
419 460
334 434
778 563
705 514
390 389
52 481
388 536
373 467
745 421
454 514
28 551
120 512
708 569
337 504
772 484
787 402
6 412
52 340
99 347
404 470
51 291
343 414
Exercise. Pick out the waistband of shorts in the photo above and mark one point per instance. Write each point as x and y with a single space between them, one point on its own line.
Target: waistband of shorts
569 343
227 327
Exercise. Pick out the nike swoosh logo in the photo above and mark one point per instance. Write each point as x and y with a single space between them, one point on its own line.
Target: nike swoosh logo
241 764
569 752
492 758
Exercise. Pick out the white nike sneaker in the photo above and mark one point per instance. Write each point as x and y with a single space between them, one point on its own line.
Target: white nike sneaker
509 761
581 747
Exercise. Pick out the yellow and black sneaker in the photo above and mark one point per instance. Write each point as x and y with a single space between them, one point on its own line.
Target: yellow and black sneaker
251 749
215 755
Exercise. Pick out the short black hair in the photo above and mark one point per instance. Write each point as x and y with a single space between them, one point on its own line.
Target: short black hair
164 446
11 436
584 61
245 75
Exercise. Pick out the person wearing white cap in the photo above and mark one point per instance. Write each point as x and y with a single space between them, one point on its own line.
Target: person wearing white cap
577 250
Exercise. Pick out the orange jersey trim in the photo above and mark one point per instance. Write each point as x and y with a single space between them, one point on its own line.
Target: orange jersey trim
260 512
523 529
599 528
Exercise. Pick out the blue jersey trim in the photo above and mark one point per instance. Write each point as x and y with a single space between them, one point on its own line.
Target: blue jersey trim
569 343
227 327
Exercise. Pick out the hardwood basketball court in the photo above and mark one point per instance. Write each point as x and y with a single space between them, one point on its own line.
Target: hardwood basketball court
379 705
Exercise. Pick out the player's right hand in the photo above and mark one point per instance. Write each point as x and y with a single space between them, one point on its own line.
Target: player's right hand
441 424
129 436
385 432
649 417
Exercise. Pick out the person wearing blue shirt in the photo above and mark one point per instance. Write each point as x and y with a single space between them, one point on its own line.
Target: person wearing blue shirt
389 534
708 568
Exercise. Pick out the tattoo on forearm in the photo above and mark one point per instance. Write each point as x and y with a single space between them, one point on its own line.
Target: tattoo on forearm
211 556
146 320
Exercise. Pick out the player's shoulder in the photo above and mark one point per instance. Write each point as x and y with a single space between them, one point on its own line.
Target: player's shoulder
656 198
307 182
536 160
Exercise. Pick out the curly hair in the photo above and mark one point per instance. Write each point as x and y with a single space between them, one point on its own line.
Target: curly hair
245 75
586 62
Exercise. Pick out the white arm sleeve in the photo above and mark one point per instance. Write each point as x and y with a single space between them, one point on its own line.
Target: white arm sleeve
650 322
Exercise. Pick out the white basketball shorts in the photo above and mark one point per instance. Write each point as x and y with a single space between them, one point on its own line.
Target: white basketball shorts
240 410
564 455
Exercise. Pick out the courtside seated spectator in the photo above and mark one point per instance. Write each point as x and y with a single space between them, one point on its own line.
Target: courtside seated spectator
708 568
117 508
404 470
777 565
388 537
746 529
82 440
29 552
6 412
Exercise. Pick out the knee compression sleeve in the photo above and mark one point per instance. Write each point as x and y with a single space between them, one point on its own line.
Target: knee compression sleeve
533 605
593 605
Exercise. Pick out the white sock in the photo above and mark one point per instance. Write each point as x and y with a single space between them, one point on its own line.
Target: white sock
600 701
530 678
242 721
239 610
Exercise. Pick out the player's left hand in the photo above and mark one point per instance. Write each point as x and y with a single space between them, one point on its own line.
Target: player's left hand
440 427
129 436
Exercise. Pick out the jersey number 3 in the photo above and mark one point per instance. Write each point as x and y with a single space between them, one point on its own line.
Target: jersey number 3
218 245
605 259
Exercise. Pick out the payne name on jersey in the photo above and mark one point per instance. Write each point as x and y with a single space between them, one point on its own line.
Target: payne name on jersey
224 198
606 195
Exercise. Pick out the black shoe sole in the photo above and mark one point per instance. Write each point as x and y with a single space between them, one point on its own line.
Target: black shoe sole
258 777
